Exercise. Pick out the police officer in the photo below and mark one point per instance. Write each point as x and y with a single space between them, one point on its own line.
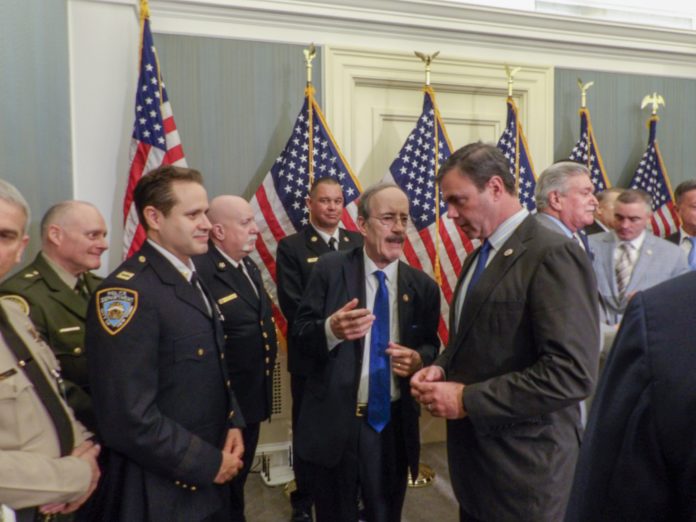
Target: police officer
162 398
250 336
45 457
54 290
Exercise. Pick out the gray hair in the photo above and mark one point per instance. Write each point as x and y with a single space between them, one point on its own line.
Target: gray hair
11 195
555 179
369 193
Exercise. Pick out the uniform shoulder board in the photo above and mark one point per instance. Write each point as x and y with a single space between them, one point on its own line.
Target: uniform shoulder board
124 275
116 307
18 300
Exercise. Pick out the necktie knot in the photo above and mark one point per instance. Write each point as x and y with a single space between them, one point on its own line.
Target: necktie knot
381 277
81 288
332 243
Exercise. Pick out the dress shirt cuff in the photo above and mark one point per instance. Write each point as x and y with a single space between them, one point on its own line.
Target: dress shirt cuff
331 340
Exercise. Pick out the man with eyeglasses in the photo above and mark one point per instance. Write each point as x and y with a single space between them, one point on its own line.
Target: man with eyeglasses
368 322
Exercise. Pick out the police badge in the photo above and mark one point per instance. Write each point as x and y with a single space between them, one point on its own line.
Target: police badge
116 307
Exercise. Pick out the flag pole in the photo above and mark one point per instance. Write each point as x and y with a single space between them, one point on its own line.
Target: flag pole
310 53
583 109
427 59
510 73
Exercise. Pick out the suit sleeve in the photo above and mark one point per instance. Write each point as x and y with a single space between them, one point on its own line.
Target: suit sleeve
124 379
308 326
621 474
564 331
289 279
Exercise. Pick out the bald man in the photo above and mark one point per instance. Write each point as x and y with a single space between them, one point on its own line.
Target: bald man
250 336
55 288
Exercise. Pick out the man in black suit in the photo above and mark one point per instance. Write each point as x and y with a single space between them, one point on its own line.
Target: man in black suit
522 352
162 398
296 257
638 457
685 237
250 337
604 215
367 321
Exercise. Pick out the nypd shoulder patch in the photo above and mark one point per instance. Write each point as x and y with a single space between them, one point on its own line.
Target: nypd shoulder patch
116 307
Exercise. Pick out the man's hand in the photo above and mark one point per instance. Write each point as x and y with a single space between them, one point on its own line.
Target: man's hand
234 443
404 361
88 451
441 399
351 323
232 453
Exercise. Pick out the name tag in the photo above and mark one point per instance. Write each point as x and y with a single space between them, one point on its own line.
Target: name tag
69 329
227 299
312 259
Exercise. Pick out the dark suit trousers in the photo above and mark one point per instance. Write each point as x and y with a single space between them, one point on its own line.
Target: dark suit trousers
374 466
301 498
250 434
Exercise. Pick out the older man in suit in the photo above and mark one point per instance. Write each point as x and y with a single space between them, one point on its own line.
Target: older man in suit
522 352
565 200
45 457
368 322
55 289
250 337
638 458
631 258
685 237
297 255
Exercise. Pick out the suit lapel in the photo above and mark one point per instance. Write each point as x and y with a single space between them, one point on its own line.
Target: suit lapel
453 309
314 242
607 264
405 295
642 266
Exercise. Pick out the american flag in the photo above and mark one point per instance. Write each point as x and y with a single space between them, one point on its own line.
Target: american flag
435 244
514 145
155 140
586 152
279 201
651 176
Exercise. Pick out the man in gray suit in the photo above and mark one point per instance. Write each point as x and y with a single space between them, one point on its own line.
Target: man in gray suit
630 258
522 352
565 200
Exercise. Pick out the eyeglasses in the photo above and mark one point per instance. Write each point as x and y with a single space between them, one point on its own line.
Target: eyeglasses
389 220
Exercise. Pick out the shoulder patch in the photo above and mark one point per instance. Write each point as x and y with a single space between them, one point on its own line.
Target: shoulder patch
116 307
18 300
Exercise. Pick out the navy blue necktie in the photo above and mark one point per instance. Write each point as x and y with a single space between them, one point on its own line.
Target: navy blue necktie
480 265
379 392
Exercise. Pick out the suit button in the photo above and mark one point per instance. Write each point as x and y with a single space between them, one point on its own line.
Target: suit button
261 322
268 348
200 352
77 351
268 359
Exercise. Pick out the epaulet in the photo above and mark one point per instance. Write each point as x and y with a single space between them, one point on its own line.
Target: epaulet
22 280
130 268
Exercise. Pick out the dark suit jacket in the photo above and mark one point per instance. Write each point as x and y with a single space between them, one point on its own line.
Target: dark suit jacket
297 254
638 458
594 228
330 398
527 349
160 391
59 315
250 335
674 238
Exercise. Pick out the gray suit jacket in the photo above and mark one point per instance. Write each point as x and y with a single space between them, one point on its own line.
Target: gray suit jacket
658 261
526 349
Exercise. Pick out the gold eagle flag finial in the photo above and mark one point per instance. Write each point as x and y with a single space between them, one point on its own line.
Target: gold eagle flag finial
427 59
653 99
309 54
584 87
510 73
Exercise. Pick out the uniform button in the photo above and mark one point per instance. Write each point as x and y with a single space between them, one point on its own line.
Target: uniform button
177 482
261 322
222 356
77 351
268 359
225 337
193 488
200 352
142 259
185 486
268 372
230 415
265 335
268 348
229 383
273 319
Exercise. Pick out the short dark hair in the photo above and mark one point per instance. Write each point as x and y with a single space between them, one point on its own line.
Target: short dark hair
683 188
634 195
480 162
328 180
369 193
155 189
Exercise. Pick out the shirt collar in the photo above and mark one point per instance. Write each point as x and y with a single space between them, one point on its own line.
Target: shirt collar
325 237
390 270
184 269
560 223
65 276
635 243
501 234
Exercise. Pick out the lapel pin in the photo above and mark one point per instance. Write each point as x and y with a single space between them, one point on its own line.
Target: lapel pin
221 265
142 259
314 239
508 252
345 239
405 298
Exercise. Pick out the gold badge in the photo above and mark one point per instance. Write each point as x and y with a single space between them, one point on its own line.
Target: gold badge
312 259
227 299
116 307
18 300
508 252
124 275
